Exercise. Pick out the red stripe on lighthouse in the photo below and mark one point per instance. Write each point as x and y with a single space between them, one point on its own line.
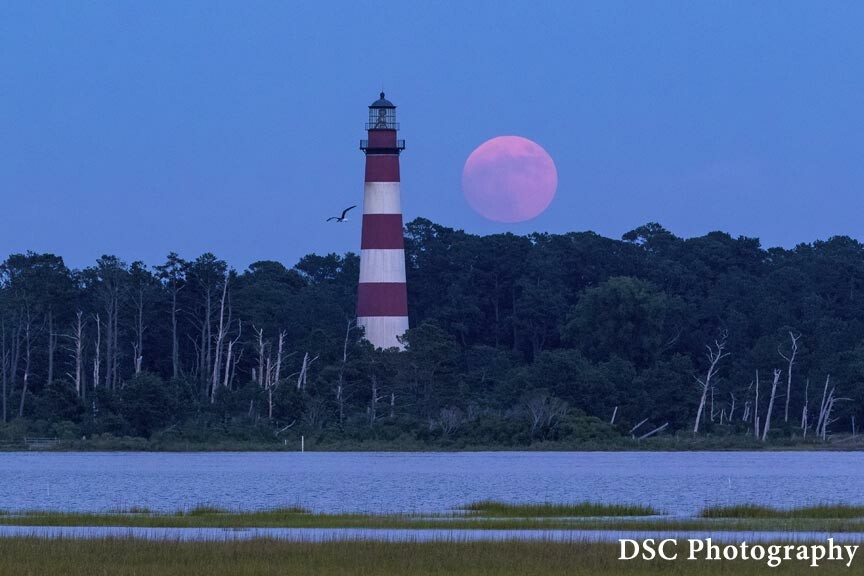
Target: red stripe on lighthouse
382 168
382 299
382 231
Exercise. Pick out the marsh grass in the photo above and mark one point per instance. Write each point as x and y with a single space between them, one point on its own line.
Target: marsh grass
477 516
497 509
826 511
124 557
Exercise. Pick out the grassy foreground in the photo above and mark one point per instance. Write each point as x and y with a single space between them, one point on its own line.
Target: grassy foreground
33 557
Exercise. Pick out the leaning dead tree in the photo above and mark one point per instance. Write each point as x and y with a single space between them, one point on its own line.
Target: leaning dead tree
731 407
767 428
231 357
303 375
825 410
790 360
715 355
653 432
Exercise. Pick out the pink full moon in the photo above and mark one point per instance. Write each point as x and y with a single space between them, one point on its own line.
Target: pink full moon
509 179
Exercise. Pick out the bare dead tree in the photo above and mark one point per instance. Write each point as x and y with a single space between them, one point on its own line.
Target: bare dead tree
637 426
614 414
825 412
280 354
172 275
220 340
777 374
376 397
111 271
806 409
715 355
304 370
28 349
175 339
273 373
77 350
271 386
238 355
315 413
827 420
543 410
261 356
731 407
52 347
823 406
4 358
790 359
450 419
340 384
653 432
138 344
15 354
229 356
96 359
756 409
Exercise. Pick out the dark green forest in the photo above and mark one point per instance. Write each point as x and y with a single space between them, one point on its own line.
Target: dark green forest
546 340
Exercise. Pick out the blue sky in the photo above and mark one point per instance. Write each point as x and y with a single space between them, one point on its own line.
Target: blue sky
138 128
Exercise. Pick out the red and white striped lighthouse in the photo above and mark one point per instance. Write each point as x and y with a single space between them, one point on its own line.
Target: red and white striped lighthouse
382 296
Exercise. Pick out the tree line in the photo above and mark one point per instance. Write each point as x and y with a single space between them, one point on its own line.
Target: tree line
556 338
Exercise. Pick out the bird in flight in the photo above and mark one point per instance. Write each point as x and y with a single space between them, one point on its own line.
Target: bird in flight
342 217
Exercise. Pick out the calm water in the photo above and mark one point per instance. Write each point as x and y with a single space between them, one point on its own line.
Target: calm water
678 483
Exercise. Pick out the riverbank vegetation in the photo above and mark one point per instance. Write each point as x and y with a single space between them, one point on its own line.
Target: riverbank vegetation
546 341
834 511
497 509
264 557
481 516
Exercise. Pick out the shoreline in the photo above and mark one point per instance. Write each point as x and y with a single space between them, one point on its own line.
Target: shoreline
669 444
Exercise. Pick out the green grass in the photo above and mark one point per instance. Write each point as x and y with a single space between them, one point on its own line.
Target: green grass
828 511
478 516
123 557
481 515
496 509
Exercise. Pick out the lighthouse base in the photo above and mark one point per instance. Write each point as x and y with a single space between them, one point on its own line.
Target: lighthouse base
382 331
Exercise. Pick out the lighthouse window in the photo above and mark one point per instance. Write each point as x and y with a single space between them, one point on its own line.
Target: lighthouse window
382 119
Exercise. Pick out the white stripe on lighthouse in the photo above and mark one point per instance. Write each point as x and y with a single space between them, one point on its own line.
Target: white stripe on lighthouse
382 265
382 330
382 198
